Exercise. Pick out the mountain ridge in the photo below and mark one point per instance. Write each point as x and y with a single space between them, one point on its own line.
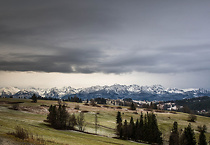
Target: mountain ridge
116 91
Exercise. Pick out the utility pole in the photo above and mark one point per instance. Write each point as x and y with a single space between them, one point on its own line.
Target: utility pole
96 123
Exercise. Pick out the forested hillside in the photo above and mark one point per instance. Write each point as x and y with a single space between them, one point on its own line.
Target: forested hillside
196 104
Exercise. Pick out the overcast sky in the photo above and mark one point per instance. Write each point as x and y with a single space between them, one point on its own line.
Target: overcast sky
81 43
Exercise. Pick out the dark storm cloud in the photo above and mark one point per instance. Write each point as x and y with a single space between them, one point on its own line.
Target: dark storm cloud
63 61
74 36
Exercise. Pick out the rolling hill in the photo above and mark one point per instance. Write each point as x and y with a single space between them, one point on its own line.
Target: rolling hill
31 116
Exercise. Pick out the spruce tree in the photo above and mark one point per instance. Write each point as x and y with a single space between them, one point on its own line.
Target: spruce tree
118 118
59 117
131 129
119 124
153 133
53 116
188 136
202 137
63 117
145 128
141 127
121 132
174 137
34 98
136 130
49 116
125 130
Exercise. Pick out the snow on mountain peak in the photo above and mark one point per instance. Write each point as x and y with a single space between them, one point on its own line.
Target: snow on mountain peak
10 90
156 92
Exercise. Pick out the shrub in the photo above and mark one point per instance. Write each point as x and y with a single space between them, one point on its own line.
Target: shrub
21 133
92 102
26 135
16 106
192 117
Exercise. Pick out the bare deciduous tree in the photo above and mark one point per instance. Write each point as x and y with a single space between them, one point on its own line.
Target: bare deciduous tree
81 121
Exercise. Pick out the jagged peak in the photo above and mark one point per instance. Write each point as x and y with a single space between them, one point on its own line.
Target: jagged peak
116 89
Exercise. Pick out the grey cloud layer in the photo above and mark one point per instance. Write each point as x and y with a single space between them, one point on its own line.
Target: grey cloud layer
104 36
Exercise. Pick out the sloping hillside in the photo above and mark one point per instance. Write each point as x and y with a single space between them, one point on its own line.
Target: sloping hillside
196 104
31 115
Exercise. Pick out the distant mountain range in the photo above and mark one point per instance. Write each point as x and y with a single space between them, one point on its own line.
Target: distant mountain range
150 93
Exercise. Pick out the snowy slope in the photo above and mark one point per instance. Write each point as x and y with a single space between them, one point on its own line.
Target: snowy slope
8 91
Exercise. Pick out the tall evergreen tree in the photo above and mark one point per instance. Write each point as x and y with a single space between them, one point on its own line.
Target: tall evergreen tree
59 117
121 132
174 137
202 137
141 127
188 136
136 130
145 128
155 133
119 129
63 117
118 118
52 116
34 98
131 129
125 130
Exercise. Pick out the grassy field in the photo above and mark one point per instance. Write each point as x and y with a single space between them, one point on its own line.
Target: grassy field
31 116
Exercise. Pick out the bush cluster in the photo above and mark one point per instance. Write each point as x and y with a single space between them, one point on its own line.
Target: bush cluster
59 118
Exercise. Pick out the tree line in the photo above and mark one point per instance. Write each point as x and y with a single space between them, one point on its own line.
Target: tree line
187 137
145 129
75 99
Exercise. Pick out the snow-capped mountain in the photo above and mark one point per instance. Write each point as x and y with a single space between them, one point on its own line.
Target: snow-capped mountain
8 91
155 92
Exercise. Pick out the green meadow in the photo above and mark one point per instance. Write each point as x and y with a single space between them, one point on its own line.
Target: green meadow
31 116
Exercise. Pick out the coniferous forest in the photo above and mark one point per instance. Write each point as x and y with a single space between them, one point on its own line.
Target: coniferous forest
144 129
